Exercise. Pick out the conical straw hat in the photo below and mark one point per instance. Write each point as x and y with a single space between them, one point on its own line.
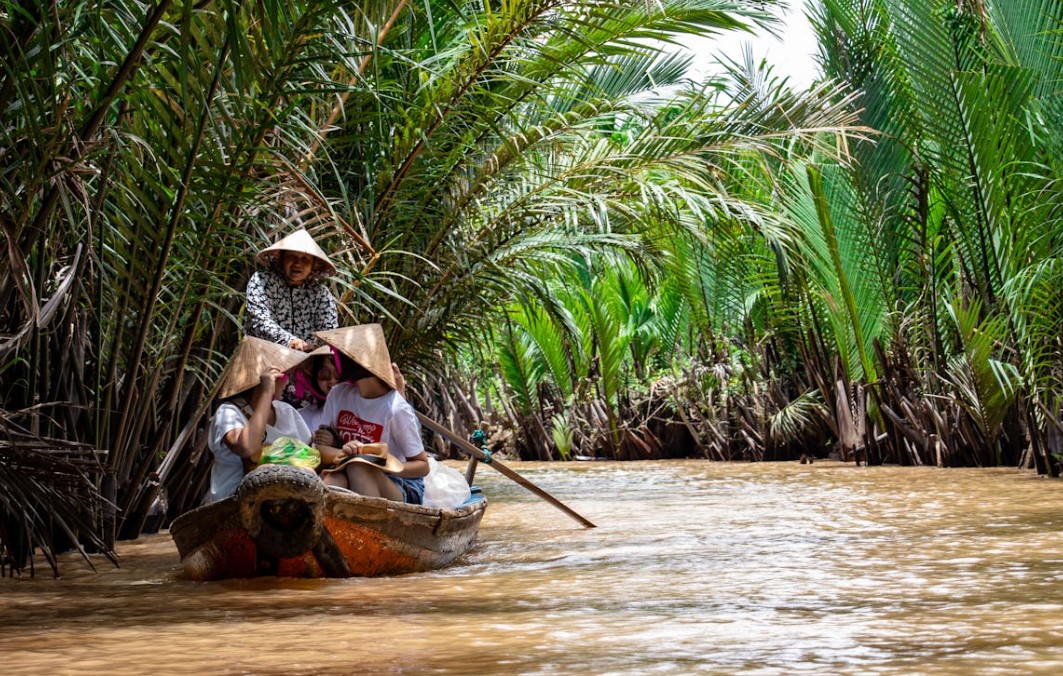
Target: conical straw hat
254 357
365 345
301 242
374 455
321 351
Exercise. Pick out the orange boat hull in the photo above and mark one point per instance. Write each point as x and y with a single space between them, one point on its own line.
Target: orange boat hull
373 536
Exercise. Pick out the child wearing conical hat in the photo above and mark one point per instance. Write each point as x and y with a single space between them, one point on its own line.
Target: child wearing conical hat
287 302
321 375
373 438
250 416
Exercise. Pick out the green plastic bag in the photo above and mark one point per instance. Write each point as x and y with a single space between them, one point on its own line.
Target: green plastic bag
288 451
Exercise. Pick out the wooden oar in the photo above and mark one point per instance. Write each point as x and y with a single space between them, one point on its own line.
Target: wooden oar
497 464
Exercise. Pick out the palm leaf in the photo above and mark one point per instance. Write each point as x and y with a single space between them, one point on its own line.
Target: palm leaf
793 421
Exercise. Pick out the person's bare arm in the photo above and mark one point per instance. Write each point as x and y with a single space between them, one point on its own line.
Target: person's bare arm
247 441
329 445
400 380
415 467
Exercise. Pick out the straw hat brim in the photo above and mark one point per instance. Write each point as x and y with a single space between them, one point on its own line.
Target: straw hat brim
364 344
299 241
254 357
375 456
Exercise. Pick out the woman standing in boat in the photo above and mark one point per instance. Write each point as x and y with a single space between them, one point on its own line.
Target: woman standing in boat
250 416
373 440
287 302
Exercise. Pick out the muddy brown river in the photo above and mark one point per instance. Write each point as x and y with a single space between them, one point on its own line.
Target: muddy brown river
695 568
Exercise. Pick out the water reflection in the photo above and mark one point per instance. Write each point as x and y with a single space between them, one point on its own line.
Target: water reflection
695 568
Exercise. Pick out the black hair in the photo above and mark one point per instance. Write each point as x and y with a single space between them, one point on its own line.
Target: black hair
316 364
352 371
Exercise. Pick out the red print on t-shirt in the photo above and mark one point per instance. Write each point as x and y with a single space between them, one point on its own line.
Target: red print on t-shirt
352 427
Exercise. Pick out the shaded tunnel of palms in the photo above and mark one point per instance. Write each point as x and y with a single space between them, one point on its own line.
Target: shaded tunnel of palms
563 236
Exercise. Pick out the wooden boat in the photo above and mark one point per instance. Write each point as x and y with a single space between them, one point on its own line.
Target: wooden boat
284 521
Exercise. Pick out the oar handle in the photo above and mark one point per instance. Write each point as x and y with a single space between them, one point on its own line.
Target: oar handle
490 461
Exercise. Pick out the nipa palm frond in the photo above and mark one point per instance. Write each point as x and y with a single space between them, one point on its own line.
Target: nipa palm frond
790 423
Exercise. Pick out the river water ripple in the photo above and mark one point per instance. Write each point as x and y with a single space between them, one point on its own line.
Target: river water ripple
695 568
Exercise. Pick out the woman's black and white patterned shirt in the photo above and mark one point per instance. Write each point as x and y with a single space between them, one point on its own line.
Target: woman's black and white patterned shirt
277 312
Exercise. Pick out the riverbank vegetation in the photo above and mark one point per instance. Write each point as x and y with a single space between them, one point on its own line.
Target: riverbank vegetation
566 238
900 304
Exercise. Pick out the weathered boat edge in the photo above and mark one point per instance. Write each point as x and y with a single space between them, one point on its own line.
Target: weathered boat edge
374 537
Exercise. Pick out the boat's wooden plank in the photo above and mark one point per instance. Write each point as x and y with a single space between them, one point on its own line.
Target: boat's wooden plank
375 536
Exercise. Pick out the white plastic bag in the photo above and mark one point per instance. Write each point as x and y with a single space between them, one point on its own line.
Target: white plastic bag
444 487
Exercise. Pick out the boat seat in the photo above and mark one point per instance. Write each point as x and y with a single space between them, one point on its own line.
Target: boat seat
475 495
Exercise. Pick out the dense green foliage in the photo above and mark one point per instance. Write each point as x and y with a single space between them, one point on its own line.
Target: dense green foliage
451 156
544 212
899 301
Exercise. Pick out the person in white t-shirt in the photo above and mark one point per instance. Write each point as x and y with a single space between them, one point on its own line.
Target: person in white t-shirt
366 409
251 417
316 378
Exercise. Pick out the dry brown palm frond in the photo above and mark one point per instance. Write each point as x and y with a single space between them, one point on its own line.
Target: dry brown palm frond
48 499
